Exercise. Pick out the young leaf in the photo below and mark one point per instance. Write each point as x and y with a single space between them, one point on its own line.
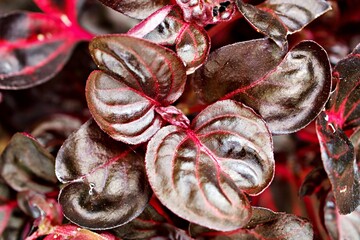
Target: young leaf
105 180
26 165
34 47
139 76
278 18
167 27
305 70
139 9
204 12
200 174
344 111
264 224
338 155
341 227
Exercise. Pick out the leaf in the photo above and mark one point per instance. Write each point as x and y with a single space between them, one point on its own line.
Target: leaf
305 70
338 155
66 10
5 214
150 224
26 165
139 9
105 180
264 224
204 12
200 174
344 110
34 47
138 78
341 227
167 27
278 18
312 181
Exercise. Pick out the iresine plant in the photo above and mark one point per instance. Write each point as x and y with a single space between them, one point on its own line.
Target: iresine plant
180 140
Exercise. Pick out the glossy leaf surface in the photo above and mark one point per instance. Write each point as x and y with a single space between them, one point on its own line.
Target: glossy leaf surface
138 76
338 155
26 165
344 110
341 227
139 9
35 46
200 174
278 18
288 96
167 27
105 180
203 12
264 225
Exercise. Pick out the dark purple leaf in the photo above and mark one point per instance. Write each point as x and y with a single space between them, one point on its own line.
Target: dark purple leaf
26 165
167 27
287 94
203 12
312 181
200 174
34 47
265 225
139 77
105 180
139 9
52 131
341 227
150 224
278 18
338 155
344 110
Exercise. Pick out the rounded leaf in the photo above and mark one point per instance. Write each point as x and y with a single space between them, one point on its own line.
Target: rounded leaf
138 77
106 184
199 174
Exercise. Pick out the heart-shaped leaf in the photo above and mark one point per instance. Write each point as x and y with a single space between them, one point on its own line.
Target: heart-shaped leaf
139 9
105 180
305 70
200 174
338 155
34 47
264 224
167 27
204 12
26 165
139 76
341 227
344 111
278 18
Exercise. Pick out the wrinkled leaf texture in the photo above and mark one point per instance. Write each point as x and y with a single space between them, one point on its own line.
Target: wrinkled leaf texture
278 18
201 173
35 46
139 9
137 78
288 93
265 225
105 180
26 165
338 155
204 12
341 227
167 27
